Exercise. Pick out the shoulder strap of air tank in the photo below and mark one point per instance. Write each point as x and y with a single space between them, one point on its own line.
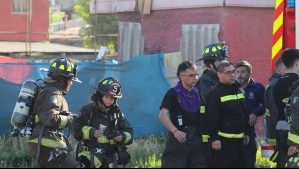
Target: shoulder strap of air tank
41 84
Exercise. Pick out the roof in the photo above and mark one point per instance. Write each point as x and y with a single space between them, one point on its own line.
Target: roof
69 34
112 6
9 59
39 47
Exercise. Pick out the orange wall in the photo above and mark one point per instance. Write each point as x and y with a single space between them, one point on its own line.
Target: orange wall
18 22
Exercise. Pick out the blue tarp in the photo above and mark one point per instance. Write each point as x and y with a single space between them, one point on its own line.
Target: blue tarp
143 87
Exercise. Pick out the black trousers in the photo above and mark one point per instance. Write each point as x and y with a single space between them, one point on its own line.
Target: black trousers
208 154
282 147
184 155
250 152
64 162
231 155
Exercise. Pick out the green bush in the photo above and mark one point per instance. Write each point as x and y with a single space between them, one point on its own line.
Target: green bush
55 17
263 162
146 152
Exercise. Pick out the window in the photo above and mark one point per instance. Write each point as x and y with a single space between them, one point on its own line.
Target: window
20 6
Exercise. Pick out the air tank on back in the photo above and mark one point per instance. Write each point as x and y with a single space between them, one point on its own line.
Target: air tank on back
24 103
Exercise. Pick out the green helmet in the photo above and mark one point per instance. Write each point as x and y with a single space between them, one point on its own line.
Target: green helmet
110 86
215 51
63 68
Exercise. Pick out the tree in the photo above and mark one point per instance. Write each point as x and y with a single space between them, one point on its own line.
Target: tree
102 30
55 17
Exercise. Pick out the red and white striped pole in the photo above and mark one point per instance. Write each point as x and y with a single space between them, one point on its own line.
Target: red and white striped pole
277 41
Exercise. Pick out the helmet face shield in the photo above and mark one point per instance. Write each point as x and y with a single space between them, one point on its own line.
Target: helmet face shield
225 50
75 67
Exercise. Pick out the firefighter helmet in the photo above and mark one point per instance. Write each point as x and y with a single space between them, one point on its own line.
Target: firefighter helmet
110 86
215 51
292 162
63 68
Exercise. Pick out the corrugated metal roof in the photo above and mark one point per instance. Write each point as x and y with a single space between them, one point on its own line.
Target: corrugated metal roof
38 47
195 38
131 40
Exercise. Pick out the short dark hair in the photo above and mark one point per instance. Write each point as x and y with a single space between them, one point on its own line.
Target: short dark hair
289 57
184 66
278 62
246 64
222 65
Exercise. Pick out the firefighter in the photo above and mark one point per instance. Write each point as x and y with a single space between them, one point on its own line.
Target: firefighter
103 129
293 135
281 94
48 144
227 119
213 54
271 109
292 162
255 106
180 114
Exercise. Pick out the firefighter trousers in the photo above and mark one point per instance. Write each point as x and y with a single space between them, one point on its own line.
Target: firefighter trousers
282 147
184 155
66 161
230 156
250 152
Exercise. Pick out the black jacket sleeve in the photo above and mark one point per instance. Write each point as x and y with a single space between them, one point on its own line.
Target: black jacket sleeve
126 130
82 121
213 113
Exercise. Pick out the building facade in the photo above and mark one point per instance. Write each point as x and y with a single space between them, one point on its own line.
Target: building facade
186 26
24 20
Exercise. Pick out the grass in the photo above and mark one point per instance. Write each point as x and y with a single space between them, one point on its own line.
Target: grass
145 153
14 153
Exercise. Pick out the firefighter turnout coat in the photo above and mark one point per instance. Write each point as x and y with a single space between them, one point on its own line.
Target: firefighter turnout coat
205 83
293 137
52 116
227 121
226 114
271 110
94 117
